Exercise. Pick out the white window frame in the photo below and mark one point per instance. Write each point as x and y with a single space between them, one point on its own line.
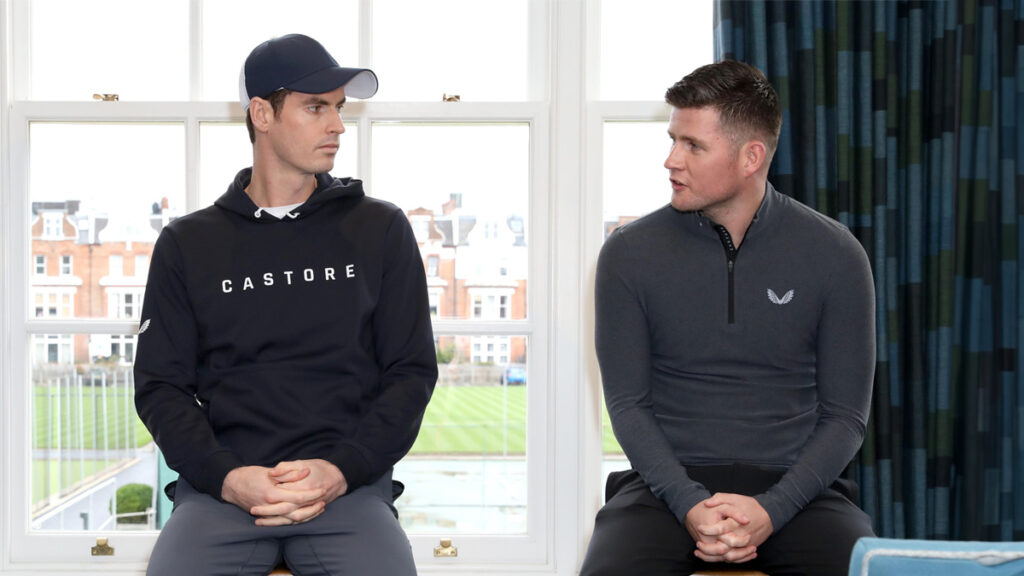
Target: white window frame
123 341
491 307
434 300
115 266
565 215
116 298
421 227
555 527
39 264
591 236
46 291
141 267
67 265
53 226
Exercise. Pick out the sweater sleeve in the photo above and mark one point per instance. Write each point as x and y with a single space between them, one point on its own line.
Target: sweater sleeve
165 376
624 354
404 345
845 375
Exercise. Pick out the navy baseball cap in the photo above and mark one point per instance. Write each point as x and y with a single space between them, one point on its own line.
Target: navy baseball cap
299 63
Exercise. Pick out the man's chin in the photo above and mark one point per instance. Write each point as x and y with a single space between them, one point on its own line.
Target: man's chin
682 204
324 167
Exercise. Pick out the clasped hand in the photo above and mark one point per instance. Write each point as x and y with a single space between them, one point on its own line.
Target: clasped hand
728 528
289 493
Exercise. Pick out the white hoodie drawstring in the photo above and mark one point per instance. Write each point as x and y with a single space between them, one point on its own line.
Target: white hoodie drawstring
292 215
259 212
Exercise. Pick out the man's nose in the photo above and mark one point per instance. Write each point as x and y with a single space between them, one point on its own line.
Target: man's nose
675 159
337 125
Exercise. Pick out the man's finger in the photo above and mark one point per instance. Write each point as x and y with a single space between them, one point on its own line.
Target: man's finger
708 557
295 516
718 528
284 468
735 540
308 513
293 500
290 476
713 549
741 555
274 521
726 510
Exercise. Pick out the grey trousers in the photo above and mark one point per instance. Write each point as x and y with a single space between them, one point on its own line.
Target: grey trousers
358 534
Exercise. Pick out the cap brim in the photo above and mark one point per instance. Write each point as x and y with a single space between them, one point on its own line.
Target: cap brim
358 82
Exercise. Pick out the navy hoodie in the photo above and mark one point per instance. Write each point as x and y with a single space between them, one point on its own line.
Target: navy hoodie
264 340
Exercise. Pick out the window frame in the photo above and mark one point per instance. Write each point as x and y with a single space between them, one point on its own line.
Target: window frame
566 118
69 552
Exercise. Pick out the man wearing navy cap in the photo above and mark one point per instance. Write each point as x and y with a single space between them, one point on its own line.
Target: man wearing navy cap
285 353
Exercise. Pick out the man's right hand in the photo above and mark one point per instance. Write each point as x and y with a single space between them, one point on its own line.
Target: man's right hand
249 487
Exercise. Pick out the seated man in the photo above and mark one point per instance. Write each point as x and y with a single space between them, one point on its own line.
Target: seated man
736 338
285 355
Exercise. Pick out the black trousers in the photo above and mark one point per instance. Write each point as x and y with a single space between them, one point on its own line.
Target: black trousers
636 534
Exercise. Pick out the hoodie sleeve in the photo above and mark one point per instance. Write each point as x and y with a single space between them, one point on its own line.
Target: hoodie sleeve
165 376
404 344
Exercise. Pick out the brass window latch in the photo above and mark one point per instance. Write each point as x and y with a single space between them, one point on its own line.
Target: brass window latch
451 98
446 550
106 97
101 548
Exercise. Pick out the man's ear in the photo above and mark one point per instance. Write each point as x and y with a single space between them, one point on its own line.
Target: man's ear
261 113
754 155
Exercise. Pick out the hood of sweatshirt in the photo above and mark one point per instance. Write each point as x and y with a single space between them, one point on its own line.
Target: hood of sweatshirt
327 189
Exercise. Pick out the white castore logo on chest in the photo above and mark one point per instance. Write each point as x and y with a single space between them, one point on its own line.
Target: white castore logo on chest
786 298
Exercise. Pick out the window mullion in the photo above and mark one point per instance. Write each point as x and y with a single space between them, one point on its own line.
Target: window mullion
490 112
365 56
195 50
192 164
482 327
152 112
573 490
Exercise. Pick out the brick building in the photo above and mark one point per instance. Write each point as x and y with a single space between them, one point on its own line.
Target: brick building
87 265
477 270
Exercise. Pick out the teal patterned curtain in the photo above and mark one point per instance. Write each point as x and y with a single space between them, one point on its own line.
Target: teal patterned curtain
903 120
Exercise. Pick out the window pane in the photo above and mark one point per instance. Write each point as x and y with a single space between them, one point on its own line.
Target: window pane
474 48
129 181
94 466
138 50
635 183
648 45
467 470
470 184
224 149
635 179
232 28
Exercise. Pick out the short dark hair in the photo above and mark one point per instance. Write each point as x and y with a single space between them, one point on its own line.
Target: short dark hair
747 104
276 99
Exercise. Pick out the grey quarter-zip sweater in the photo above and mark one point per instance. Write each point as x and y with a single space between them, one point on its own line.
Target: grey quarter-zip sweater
763 355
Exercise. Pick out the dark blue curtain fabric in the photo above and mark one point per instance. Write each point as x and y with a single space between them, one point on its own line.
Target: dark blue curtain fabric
903 120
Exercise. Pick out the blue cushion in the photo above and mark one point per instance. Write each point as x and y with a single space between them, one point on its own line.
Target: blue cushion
889 557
